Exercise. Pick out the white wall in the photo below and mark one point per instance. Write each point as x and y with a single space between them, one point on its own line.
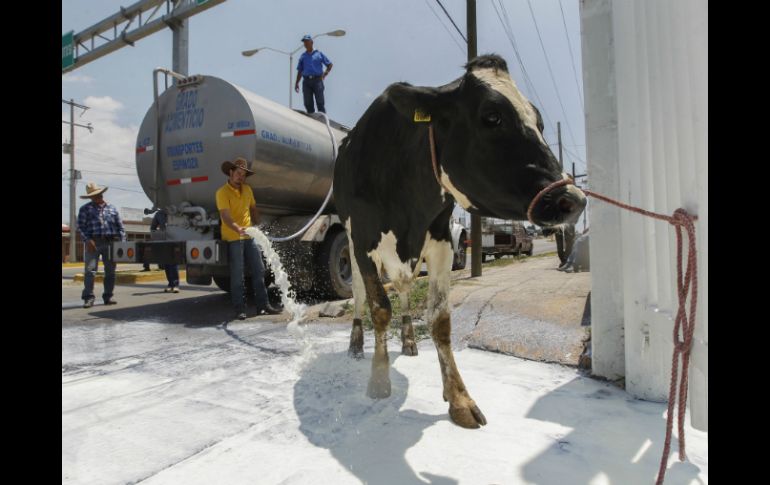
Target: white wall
658 52
607 351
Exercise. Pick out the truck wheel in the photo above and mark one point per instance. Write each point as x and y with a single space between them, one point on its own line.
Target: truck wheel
335 266
223 282
460 256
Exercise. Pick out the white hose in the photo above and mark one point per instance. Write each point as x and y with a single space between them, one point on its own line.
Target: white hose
328 196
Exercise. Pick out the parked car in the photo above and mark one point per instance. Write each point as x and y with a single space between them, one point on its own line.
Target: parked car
531 230
499 238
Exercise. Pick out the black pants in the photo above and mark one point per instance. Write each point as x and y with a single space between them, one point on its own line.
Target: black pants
312 87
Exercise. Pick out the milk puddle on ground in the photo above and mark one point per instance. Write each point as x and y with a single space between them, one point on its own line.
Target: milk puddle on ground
297 310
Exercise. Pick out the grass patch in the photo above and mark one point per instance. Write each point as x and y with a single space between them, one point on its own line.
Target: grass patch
418 297
545 255
505 261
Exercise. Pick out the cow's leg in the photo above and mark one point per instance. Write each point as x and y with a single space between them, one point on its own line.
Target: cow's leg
462 409
408 345
356 349
379 308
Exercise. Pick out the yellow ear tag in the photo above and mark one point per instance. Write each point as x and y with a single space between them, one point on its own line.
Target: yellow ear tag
421 116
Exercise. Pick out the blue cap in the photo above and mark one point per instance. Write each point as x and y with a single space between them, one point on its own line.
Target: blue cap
307 37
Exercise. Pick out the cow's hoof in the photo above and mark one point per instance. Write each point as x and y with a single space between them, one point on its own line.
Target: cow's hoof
378 389
470 417
357 354
409 348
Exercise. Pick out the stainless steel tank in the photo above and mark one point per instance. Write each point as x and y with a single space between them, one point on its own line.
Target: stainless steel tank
208 122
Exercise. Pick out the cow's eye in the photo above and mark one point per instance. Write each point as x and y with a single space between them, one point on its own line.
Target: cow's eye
492 119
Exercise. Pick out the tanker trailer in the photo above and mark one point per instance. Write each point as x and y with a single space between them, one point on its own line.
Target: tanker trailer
201 121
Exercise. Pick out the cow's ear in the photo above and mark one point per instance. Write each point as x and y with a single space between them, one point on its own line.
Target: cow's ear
419 104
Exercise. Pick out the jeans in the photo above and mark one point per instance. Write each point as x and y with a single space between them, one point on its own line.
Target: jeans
311 87
91 261
565 237
172 275
248 251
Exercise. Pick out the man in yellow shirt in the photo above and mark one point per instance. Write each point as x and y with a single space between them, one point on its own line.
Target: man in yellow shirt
238 210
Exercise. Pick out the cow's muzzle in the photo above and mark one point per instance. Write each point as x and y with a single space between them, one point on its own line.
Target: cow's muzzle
560 202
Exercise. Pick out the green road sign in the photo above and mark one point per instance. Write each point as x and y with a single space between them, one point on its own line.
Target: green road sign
67 50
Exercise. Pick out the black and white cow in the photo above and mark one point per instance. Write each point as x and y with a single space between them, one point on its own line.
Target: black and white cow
491 159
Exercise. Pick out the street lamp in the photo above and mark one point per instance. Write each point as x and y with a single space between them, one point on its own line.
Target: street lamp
251 52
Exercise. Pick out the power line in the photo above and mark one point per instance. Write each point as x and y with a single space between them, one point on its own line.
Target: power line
118 188
102 163
128 190
527 81
102 155
452 20
550 71
574 155
111 173
512 40
504 11
569 44
445 27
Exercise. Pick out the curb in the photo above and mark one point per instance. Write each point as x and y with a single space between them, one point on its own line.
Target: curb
131 277
81 264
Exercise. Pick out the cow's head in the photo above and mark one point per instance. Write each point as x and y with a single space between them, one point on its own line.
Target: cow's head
492 155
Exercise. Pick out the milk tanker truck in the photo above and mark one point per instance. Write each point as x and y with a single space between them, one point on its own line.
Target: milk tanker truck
199 122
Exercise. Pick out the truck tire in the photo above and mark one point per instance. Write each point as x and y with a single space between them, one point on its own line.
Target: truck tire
273 292
223 282
335 270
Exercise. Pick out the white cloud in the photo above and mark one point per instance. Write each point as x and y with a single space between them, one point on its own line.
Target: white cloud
103 107
105 156
75 78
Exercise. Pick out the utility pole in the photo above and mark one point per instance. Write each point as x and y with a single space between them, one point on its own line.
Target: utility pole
73 176
73 182
179 50
475 219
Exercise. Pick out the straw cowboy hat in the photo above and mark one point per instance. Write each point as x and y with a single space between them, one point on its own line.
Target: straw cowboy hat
239 162
92 190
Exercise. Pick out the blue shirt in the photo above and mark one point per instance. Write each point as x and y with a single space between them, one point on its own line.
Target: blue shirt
310 64
100 221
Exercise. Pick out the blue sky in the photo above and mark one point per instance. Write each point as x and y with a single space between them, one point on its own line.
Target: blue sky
397 40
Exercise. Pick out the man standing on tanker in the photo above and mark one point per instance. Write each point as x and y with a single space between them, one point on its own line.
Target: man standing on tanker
238 211
310 70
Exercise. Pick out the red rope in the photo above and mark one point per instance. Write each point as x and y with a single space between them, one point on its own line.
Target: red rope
684 324
433 158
